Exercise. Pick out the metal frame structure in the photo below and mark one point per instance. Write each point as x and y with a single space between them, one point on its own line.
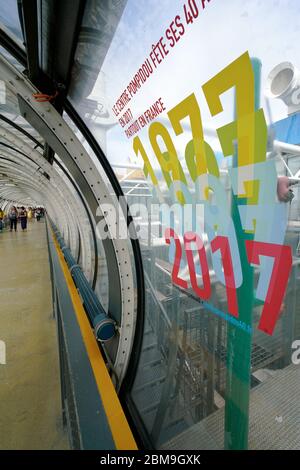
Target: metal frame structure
87 416
71 216
76 159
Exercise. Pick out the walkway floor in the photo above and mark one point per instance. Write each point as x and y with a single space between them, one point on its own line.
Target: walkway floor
30 406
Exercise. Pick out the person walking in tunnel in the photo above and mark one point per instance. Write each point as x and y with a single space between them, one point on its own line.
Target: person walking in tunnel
23 218
13 218
1 219
38 214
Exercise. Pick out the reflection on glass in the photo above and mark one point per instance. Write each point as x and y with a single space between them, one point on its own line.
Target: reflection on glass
206 379
9 17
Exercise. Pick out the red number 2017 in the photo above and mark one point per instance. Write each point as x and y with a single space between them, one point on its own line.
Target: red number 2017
219 243
282 266
222 244
205 291
282 255
170 233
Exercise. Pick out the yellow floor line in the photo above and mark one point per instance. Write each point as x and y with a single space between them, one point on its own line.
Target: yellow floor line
119 426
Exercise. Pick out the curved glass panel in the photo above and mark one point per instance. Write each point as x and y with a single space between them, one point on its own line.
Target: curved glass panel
202 130
11 59
11 118
9 17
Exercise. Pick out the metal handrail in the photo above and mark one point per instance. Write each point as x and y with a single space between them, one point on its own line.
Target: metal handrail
104 326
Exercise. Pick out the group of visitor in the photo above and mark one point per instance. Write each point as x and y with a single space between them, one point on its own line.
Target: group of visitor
20 214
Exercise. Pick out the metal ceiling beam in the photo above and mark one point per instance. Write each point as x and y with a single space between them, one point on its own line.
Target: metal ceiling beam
20 129
30 31
67 175
49 154
69 148
50 124
12 47
60 40
16 150
33 158
56 36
